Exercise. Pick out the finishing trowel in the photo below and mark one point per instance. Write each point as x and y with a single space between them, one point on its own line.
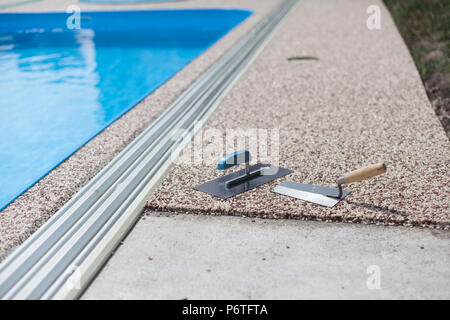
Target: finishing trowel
243 180
328 196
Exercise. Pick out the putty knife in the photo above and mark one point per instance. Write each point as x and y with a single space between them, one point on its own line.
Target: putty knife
328 196
243 180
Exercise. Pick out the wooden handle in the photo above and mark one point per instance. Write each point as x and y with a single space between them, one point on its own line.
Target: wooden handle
363 173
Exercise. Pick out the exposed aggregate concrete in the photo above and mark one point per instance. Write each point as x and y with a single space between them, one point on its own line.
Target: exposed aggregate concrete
361 102
29 211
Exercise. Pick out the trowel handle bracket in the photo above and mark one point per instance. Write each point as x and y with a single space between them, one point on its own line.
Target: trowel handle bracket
233 159
340 190
244 178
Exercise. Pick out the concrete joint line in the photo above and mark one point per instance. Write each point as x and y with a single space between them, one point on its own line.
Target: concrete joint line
60 259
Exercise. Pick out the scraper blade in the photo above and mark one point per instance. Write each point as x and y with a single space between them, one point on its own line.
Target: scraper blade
311 193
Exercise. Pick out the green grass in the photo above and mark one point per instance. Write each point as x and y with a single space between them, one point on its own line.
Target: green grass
425 26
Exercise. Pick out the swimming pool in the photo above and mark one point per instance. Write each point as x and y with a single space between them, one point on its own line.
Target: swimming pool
61 87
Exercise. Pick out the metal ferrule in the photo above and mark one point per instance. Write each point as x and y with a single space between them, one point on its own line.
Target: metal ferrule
340 180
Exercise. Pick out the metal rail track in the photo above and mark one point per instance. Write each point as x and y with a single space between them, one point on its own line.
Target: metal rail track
60 259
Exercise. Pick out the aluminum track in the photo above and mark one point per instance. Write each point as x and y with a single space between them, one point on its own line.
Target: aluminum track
43 265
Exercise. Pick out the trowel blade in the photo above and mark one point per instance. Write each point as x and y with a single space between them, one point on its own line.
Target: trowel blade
311 193
218 188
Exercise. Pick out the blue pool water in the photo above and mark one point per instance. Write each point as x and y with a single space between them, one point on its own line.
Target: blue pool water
59 87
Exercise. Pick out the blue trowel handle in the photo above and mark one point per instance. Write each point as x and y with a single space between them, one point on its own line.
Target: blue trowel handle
233 159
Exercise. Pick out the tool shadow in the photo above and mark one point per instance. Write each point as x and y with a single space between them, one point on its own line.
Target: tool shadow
381 209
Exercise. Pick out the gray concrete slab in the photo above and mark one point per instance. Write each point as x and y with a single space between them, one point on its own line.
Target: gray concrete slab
223 257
